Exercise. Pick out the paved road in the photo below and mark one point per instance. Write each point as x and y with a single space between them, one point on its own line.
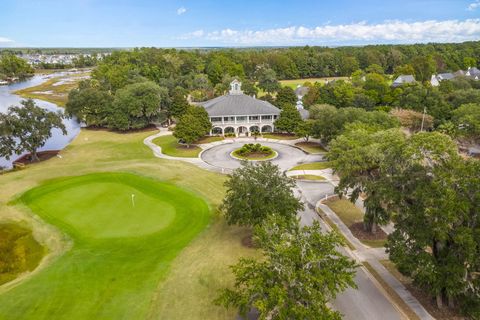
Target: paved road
288 156
366 302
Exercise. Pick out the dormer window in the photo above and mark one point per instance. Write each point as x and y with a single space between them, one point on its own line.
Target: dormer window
236 87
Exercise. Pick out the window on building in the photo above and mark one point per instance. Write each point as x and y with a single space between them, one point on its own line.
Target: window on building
253 118
216 119
229 119
241 119
266 117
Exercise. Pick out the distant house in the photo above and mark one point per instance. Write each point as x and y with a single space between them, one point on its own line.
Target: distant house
301 91
459 73
436 79
403 79
304 113
239 114
473 73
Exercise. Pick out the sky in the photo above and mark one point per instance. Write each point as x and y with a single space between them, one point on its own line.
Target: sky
241 23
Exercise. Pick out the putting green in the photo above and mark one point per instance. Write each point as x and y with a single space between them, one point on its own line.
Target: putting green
121 250
107 209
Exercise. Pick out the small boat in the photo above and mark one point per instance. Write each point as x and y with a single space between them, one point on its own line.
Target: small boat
3 83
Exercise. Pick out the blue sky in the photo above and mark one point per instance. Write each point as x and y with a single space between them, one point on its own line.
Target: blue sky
129 23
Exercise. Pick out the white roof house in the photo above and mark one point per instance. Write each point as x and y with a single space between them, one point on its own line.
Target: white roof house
239 114
403 79
436 79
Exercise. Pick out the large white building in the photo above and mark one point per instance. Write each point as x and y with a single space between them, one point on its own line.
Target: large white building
239 114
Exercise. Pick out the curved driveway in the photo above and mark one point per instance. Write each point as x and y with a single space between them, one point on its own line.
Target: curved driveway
288 156
368 302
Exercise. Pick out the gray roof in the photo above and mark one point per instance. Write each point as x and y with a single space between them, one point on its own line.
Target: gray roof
304 113
403 79
301 90
445 76
238 105
474 71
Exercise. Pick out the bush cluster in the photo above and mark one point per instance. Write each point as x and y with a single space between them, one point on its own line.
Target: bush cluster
250 148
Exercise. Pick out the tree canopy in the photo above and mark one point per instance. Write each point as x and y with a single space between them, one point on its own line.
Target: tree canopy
302 271
289 119
193 125
27 128
256 191
13 66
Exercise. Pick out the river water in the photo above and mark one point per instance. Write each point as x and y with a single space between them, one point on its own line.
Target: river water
58 140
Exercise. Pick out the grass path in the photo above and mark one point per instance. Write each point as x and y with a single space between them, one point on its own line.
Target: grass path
97 277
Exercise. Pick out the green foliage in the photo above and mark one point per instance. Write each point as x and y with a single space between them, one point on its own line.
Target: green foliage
301 273
304 129
406 69
27 128
256 191
285 97
13 66
249 148
436 239
220 65
424 67
136 106
193 125
330 122
205 74
357 156
467 120
374 68
89 104
469 62
179 105
288 120
267 80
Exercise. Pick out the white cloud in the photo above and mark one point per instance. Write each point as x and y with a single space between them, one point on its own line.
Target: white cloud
181 10
5 41
474 5
363 32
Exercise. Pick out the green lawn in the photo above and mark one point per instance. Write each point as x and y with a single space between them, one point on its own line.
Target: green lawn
159 271
308 177
209 139
311 147
296 82
171 147
119 248
312 166
279 136
350 214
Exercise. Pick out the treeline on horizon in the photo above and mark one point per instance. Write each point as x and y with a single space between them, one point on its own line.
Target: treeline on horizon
307 61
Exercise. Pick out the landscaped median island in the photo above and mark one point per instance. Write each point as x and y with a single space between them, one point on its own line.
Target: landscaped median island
254 152
353 219
19 251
